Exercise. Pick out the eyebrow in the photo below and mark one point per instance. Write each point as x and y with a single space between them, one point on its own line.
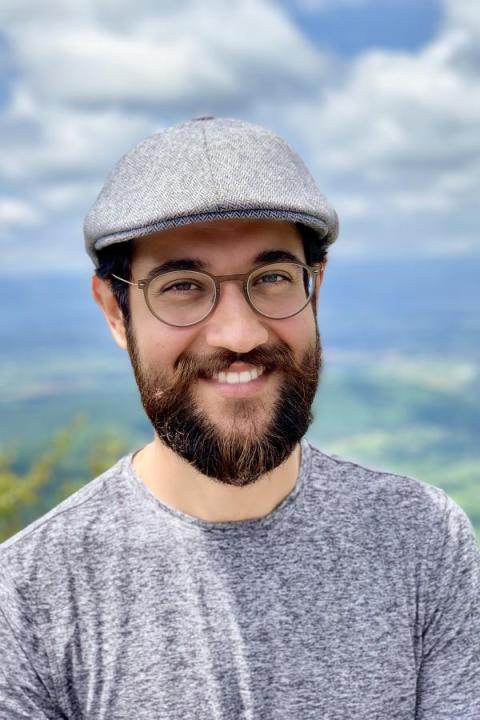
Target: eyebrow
191 263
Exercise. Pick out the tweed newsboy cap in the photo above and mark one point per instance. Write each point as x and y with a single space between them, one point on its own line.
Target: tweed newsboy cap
206 169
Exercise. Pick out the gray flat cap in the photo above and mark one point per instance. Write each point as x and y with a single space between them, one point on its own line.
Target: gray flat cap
205 169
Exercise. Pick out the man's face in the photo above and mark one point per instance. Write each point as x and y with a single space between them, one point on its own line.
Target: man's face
232 433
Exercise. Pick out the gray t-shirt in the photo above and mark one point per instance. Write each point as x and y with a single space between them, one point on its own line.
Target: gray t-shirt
356 598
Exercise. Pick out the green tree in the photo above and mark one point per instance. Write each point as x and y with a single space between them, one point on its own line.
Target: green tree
26 495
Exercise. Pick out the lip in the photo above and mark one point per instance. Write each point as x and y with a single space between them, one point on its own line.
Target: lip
248 389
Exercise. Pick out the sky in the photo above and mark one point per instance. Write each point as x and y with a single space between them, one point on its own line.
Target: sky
380 97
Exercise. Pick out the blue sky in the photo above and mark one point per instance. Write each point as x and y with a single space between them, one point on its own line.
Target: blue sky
349 28
381 97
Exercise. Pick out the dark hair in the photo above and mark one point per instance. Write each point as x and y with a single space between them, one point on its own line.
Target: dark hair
315 250
117 259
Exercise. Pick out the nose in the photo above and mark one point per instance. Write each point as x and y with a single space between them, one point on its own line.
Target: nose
234 324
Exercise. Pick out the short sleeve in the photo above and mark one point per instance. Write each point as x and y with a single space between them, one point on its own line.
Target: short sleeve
448 682
26 692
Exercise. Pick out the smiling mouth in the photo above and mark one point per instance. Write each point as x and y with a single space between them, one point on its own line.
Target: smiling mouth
237 378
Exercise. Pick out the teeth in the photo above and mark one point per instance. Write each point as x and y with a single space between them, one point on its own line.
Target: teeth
233 378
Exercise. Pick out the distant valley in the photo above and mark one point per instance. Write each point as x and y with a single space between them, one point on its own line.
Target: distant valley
400 388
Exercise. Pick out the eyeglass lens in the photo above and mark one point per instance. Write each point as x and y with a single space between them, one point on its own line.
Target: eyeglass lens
185 297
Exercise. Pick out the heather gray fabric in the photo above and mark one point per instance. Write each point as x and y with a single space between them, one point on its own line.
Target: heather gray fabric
357 598
206 169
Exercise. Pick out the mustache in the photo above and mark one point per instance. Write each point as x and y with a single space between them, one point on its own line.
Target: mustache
190 367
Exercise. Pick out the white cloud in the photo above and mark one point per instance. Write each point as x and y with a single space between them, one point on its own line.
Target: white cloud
16 216
393 138
316 5
351 206
93 77
17 212
43 143
403 132
135 56
67 196
463 14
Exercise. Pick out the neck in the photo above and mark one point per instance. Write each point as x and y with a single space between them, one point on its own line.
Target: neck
176 483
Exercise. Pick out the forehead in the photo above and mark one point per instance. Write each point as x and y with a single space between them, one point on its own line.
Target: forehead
219 242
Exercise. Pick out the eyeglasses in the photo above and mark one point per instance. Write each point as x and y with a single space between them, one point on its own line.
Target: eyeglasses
182 298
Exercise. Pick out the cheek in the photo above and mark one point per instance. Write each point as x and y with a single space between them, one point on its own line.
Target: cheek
157 343
297 331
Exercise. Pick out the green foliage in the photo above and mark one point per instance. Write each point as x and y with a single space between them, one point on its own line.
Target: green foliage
28 494
414 416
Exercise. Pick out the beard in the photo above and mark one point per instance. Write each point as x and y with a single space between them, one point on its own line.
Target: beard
240 447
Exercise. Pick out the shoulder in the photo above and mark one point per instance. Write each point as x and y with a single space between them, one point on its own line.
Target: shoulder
51 542
376 502
364 482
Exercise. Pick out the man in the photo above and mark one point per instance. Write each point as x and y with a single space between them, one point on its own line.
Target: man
230 569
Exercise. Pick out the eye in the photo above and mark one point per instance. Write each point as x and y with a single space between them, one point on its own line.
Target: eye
272 278
182 287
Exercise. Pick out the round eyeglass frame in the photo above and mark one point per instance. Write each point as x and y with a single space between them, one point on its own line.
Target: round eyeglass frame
218 279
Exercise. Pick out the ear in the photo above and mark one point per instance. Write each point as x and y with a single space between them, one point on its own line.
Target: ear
319 277
105 299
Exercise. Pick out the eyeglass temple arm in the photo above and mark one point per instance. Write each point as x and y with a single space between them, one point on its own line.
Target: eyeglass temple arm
315 271
128 282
